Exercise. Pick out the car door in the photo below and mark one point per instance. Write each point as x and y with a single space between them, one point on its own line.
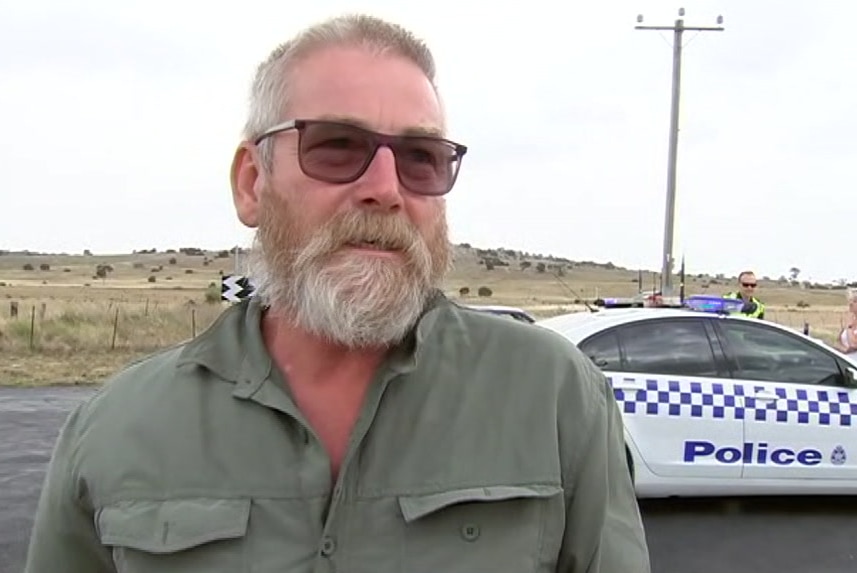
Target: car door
677 400
799 413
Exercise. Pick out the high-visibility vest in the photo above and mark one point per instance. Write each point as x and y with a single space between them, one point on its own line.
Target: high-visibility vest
757 309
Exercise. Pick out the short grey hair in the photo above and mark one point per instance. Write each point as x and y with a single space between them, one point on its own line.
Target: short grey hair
851 293
269 94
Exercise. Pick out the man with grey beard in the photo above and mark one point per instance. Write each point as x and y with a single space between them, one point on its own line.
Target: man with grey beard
348 417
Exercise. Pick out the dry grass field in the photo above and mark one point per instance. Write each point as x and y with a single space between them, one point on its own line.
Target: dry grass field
77 324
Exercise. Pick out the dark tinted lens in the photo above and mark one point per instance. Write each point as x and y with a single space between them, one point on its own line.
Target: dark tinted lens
334 152
426 165
340 153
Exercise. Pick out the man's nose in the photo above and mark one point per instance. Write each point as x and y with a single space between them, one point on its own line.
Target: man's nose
379 187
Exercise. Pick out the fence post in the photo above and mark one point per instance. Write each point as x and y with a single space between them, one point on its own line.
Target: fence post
33 327
43 310
13 309
146 312
115 325
193 321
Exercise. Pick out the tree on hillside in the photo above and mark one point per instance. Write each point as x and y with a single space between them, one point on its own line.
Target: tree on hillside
101 271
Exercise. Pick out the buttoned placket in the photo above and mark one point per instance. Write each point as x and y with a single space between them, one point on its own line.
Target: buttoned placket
268 387
329 556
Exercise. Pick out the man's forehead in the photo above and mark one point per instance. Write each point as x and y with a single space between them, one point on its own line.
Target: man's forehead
381 92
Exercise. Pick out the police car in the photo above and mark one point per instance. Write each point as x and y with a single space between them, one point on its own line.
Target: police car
719 404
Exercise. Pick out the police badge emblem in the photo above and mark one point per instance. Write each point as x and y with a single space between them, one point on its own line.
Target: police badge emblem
838 457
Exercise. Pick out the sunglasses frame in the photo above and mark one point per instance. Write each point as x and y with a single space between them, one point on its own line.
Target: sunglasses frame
380 140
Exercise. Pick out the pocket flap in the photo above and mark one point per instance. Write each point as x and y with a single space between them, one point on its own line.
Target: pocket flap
172 525
416 506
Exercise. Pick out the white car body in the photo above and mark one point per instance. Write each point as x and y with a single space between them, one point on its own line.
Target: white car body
719 404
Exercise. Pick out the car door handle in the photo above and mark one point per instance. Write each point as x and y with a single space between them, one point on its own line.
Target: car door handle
765 396
629 384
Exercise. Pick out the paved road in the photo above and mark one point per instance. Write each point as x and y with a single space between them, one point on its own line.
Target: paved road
732 536
29 423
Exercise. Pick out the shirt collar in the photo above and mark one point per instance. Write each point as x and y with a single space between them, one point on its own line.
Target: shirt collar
233 347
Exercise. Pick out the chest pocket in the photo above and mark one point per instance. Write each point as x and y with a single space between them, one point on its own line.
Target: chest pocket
180 535
514 529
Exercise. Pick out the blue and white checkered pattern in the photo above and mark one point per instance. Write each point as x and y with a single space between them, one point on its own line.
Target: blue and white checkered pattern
682 398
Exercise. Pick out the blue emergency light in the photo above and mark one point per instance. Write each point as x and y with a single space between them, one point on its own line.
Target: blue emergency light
715 304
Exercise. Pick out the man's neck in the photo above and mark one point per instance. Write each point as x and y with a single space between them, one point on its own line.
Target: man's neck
308 357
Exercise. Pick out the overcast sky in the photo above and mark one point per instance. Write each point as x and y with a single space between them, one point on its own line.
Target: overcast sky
118 121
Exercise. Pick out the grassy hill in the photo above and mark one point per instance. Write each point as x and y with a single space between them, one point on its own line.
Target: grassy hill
80 316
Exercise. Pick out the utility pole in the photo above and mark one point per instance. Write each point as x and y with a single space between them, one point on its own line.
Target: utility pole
669 219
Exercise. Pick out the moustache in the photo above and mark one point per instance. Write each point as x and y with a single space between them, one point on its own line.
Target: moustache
388 232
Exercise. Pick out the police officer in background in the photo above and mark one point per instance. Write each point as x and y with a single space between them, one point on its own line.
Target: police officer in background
747 284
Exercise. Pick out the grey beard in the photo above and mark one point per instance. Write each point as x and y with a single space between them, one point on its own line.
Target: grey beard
355 302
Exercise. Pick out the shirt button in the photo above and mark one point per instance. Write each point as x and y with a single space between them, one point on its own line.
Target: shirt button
470 532
328 546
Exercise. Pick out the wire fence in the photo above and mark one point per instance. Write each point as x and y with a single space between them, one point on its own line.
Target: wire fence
59 326
102 326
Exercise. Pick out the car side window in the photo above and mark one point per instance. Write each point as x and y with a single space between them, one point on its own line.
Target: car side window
759 352
679 347
603 350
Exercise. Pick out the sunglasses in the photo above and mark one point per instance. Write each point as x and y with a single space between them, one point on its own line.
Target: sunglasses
337 152
748 285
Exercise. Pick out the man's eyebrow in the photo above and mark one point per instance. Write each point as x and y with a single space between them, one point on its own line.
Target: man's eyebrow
414 131
423 131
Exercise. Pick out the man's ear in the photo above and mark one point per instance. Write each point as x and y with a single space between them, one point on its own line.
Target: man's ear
247 177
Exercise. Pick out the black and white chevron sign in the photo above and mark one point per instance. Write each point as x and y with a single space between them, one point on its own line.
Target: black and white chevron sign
235 288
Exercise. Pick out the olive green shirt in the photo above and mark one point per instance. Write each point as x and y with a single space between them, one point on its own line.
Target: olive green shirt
484 445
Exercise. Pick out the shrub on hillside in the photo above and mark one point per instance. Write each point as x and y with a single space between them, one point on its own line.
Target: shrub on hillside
101 271
212 294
